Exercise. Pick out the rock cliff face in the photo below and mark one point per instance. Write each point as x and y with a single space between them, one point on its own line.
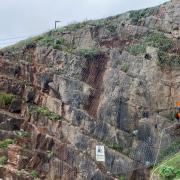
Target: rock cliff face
111 82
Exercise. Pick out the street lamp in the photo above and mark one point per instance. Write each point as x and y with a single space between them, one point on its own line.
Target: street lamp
56 24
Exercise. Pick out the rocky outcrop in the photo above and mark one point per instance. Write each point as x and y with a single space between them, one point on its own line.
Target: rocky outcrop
108 82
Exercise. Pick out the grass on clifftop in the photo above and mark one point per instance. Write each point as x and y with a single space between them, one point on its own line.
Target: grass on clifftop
139 14
159 40
164 45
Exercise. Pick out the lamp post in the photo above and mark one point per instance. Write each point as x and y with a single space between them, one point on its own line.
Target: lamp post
56 22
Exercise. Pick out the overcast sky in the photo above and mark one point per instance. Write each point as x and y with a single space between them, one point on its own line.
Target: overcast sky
23 18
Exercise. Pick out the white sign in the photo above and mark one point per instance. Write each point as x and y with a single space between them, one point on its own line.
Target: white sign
100 155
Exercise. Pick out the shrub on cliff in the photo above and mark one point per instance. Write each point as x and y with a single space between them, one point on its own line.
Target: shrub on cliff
137 49
159 40
34 173
45 112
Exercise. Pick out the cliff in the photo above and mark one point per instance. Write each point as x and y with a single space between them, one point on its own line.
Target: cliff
111 82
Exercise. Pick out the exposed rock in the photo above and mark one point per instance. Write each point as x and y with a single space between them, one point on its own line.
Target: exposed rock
89 87
29 94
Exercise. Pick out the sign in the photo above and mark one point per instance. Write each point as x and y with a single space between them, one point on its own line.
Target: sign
100 155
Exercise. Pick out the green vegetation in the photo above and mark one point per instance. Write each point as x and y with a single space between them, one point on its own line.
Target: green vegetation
125 67
137 49
114 146
121 177
4 144
159 40
22 133
170 168
34 173
139 14
45 112
163 43
54 42
3 160
50 154
102 22
169 172
90 53
5 98
167 59
75 26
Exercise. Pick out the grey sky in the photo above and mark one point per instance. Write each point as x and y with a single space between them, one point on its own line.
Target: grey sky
23 18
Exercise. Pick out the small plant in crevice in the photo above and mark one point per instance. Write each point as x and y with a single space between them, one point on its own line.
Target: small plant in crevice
116 147
4 144
74 26
3 160
5 98
34 173
167 59
163 58
90 53
125 67
122 177
168 172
